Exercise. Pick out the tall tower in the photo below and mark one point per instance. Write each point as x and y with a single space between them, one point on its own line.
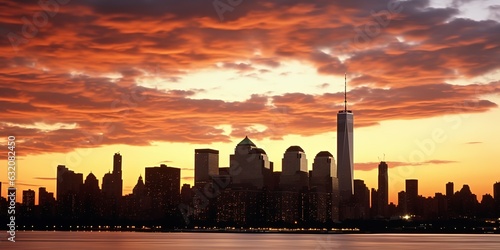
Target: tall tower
117 173
383 188
412 196
345 149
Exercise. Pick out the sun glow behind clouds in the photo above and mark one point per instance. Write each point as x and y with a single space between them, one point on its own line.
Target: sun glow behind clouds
237 85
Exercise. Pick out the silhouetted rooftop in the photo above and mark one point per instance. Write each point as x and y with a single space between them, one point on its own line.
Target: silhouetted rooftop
295 149
324 154
246 141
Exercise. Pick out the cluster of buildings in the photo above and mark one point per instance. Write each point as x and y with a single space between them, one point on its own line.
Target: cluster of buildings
247 193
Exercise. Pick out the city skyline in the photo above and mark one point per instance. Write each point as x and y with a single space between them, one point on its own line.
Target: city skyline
382 176
248 194
82 80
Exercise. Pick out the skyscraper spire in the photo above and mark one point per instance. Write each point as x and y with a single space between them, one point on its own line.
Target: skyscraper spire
345 91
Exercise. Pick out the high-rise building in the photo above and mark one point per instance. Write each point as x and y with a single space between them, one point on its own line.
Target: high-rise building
117 173
383 189
250 166
345 123
163 185
449 189
68 182
496 192
68 187
402 203
496 197
294 175
45 197
323 177
0 189
90 197
206 166
412 196
361 200
29 198
324 183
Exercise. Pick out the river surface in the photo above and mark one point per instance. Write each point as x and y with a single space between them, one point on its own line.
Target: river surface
192 241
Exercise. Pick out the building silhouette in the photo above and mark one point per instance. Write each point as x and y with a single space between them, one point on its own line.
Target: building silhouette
68 188
250 166
383 189
361 208
29 199
449 189
206 166
345 174
324 186
46 202
294 174
496 196
163 187
117 173
412 196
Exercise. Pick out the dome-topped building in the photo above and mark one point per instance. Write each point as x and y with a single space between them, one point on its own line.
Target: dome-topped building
249 165
294 149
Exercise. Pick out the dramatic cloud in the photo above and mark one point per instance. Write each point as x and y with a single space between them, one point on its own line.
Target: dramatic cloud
79 75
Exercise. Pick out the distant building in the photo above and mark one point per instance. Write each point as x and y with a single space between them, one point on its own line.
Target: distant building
90 197
412 196
68 188
294 175
250 166
206 166
449 189
46 202
324 188
383 189
117 173
361 200
29 198
68 182
496 192
402 203
163 187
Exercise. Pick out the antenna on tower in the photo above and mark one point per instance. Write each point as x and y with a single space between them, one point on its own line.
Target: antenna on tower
345 91
384 156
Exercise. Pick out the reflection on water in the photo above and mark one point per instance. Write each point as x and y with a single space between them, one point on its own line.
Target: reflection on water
192 241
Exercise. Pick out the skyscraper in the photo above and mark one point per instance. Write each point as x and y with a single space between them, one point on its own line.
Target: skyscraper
294 176
383 189
449 189
345 122
29 200
68 187
117 173
163 186
324 186
496 192
206 165
68 182
412 196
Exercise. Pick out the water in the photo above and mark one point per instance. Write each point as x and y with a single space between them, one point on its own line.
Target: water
192 241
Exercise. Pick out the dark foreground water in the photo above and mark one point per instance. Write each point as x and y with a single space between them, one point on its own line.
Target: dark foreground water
191 241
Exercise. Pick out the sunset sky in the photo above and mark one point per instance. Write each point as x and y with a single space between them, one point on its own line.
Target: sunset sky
156 79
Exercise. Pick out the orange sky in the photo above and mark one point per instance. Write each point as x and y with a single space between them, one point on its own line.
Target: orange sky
157 80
